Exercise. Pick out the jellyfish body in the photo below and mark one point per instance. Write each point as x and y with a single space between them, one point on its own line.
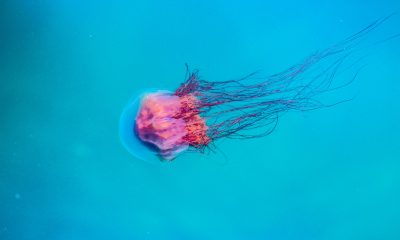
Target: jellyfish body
159 123
128 134
162 124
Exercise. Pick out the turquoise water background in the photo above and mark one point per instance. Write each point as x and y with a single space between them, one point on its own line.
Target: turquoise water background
67 69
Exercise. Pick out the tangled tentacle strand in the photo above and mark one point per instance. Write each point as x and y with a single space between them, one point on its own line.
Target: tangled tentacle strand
234 108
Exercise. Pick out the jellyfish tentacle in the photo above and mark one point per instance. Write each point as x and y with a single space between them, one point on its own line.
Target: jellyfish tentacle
233 108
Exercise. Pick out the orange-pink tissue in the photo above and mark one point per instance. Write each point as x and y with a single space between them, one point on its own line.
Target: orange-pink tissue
171 123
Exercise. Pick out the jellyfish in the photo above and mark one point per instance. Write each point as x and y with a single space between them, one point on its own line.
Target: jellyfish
159 125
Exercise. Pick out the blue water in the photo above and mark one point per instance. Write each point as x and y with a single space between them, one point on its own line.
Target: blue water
68 68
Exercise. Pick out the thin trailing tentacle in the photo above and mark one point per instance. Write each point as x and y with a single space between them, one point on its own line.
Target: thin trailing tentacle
250 107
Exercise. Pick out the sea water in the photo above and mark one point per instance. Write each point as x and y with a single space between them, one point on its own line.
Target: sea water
68 69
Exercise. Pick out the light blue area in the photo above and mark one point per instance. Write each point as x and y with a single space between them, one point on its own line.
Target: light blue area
68 68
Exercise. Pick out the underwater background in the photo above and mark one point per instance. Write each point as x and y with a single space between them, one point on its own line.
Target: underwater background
68 68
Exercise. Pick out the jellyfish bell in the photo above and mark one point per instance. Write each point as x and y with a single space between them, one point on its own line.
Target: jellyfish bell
128 133
158 125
